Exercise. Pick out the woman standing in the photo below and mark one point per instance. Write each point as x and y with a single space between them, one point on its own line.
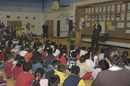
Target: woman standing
116 75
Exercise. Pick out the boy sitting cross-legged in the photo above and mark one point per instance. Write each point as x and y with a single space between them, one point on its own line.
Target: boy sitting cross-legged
8 65
25 78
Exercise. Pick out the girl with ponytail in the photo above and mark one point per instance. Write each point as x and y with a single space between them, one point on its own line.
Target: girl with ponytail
40 78
116 75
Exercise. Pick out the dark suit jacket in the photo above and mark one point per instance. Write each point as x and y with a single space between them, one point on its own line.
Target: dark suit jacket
96 31
45 27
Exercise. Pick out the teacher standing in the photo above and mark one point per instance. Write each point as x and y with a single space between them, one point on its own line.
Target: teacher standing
45 30
96 29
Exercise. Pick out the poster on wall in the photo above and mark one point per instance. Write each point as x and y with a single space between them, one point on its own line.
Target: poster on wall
128 24
28 25
87 24
108 17
122 17
118 8
117 16
108 9
32 26
127 31
128 16
120 25
112 27
112 17
128 7
123 8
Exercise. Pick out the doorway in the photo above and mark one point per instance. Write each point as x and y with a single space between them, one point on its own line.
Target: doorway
50 29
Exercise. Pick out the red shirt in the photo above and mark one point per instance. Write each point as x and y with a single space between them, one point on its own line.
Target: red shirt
2 56
7 67
43 54
16 71
62 60
24 79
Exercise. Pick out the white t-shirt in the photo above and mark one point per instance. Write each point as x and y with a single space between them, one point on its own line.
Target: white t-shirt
57 52
95 59
90 64
23 53
82 52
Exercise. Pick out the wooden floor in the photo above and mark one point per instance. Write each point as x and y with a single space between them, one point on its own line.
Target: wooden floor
64 41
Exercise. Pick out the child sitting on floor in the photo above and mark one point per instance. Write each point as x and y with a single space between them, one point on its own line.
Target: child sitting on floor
73 79
48 59
25 78
56 50
125 60
40 47
18 68
83 52
72 60
71 50
54 80
44 53
61 73
103 65
40 78
37 62
52 68
89 62
8 65
61 57
94 58
101 56
85 71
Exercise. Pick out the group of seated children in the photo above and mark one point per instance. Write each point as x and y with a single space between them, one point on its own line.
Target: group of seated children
32 63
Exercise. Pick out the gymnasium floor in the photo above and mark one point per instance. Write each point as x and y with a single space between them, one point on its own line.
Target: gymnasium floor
64 41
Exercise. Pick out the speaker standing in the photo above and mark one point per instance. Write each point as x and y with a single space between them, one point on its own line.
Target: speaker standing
45 30
96 29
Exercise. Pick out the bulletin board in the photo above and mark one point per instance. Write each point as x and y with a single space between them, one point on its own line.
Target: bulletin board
18 24
114 19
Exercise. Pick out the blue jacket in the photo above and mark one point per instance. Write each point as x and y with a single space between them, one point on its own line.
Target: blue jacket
35 66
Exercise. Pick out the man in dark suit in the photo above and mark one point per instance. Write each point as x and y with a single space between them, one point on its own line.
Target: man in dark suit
96 29
45 30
